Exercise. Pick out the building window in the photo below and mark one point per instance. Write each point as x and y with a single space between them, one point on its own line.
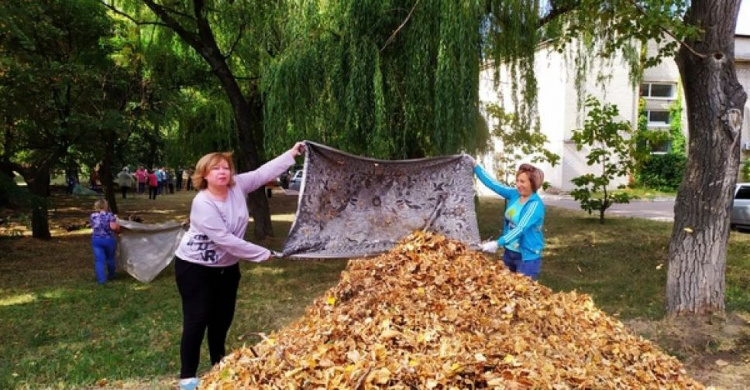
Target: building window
659 91
657 118
660 147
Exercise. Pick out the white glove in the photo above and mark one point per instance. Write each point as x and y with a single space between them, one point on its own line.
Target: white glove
490 247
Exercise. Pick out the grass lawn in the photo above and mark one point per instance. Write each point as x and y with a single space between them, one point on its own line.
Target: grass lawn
58 329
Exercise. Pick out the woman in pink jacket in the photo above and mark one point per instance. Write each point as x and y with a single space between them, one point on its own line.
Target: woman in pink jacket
153 184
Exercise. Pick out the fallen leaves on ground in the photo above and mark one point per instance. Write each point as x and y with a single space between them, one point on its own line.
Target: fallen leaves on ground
432 314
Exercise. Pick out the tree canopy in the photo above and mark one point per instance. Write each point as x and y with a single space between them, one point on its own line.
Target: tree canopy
389 79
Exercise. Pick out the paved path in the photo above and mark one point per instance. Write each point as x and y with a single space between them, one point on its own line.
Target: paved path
658 210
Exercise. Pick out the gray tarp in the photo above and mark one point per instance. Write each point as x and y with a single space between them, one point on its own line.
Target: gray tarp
81 190
352 206
144 250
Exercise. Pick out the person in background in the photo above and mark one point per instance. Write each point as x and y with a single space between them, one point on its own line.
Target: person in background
178 178
126 181
141 175
160 180
207 268
186 180
522 238
153 184
71 179
170 179
104 227
94 180
189 182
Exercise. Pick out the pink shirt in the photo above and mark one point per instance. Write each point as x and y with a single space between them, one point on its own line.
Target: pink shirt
141 175
152 180
217 228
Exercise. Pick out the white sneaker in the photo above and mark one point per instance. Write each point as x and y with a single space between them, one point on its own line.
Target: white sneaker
189 383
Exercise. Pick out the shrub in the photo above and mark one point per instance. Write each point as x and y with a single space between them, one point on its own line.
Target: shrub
663 172
745 169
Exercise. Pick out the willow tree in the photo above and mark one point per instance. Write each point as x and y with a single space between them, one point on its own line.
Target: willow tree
231 37
391 79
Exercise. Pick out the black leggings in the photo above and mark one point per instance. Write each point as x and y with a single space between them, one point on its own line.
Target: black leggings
152 190
208 300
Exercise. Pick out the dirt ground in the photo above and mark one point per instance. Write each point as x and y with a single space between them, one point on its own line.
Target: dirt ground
715 350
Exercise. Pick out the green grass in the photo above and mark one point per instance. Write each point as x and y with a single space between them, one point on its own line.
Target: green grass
71 333
58 329
621 263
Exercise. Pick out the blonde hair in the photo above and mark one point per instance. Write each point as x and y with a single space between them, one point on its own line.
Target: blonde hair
535 175
101 205
205 164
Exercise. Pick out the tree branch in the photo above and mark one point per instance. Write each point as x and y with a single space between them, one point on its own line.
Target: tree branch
558 10
166 17
393 36
236 41
688 47
127 16
9 166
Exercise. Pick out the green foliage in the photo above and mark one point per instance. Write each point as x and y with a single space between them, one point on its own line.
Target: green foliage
53 62
745 169
608 149
677 136
641 150
519 143
352 77
658 171
663 172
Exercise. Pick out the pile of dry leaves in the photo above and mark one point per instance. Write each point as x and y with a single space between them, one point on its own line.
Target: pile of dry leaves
432 314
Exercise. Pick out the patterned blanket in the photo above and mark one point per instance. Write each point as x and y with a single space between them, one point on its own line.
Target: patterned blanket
351 206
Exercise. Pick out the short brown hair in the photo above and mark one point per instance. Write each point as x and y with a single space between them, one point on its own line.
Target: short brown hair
206 163
536 176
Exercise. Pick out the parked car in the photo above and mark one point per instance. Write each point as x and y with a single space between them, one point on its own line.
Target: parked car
741 207
296 182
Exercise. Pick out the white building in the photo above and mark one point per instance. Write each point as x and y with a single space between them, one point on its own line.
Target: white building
742 63
560 112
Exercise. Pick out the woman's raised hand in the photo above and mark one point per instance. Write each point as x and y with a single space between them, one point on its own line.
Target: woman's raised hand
298 149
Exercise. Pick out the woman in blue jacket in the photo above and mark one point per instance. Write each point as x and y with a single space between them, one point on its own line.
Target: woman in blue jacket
522 237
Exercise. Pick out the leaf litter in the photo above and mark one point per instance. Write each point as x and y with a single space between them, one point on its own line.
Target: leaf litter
433 314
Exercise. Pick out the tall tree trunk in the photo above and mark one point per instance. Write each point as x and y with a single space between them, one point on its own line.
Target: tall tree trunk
715 99
257 202
38 185
37 178
249 121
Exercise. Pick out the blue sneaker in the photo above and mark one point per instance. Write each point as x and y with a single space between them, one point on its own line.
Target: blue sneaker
189 383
